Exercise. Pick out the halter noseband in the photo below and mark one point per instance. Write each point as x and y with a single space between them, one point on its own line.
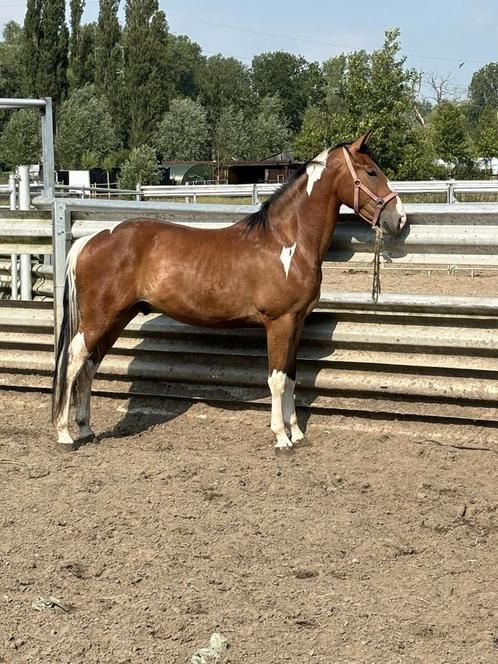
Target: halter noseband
358 184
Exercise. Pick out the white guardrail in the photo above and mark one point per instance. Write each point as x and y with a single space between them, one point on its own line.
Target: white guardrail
451 189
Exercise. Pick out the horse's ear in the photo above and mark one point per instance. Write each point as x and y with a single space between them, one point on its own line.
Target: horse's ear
362 141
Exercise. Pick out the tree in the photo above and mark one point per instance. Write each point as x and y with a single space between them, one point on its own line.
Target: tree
85 131
45 49
231 137
487 135
109 61
296 81
140 168
334 71
368 91
82 69
483 90
269 133
223 82
81 48
145 40
184 132
20 142
11 72
440 86
184 64
450 134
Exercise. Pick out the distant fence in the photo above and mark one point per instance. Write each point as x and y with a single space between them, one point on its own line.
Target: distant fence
450 190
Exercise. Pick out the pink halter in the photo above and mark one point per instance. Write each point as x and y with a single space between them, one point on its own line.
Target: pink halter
358 184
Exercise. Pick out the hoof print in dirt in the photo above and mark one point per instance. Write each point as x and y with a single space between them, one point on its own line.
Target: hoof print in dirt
68 447
284 451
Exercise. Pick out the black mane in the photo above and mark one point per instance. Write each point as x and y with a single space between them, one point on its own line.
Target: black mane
260 219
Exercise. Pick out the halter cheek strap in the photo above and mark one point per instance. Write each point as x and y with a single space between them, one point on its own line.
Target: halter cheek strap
380 203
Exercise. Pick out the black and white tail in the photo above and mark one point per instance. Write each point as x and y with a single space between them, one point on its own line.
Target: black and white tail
69 328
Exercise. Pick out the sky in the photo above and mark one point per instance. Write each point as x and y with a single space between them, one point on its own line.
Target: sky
437 36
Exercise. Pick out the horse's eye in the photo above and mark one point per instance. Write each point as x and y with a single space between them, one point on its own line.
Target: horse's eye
371 173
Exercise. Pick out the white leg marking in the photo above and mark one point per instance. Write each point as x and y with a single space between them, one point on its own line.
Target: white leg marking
276 383
83 395
78 355
286 257
315 171
289 408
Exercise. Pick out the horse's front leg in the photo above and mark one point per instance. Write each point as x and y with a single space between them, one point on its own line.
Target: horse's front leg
280 335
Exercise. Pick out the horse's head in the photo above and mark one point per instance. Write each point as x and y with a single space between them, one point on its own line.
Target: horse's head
364 187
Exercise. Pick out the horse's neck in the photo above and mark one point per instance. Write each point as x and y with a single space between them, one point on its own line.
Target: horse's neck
306 218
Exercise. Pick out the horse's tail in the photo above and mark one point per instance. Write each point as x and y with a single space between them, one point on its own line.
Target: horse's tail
69 328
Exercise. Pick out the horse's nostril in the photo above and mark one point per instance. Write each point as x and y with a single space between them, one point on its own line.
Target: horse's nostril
401 222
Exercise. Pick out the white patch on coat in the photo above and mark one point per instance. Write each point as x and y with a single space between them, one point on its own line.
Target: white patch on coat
286 257
315 171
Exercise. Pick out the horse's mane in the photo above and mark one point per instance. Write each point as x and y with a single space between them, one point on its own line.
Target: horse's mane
260 218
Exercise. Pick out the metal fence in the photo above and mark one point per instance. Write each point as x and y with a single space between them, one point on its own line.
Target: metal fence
441 352
450 189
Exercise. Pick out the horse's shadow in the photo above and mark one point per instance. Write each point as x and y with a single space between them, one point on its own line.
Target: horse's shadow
222 379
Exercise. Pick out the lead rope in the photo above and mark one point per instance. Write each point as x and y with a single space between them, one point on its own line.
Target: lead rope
379 248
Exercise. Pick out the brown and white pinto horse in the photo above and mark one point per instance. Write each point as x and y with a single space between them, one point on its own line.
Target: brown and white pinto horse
262 271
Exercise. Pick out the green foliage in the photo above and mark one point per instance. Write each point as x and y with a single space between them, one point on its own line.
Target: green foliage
141 167
145 41
223 82
85 127
296 81
368 91
184 132
487 134
45 49
20 142
184 64
81 49
11 71
450 134
269 133
109 63
483 90
231 136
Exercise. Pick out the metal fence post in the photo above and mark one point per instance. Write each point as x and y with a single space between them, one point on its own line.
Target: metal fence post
451 191
25 260
47 123
61 237
14 292
254 199
138 196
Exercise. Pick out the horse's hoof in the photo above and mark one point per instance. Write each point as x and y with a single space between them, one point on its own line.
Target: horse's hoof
284 451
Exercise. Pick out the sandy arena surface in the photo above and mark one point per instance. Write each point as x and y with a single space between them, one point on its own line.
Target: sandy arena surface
375 544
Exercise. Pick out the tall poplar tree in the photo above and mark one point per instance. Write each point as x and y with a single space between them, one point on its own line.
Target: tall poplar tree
145 41
81 48
108 53
45 49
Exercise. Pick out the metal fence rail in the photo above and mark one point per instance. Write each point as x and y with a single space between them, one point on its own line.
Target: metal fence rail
450 188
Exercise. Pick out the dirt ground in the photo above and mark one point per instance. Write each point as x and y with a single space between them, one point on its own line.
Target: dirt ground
375 544
463 282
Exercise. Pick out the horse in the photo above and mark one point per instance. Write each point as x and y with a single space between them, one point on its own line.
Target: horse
264 270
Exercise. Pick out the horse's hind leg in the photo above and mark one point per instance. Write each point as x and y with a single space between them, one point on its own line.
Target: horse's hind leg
289 405
82 395
77 357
